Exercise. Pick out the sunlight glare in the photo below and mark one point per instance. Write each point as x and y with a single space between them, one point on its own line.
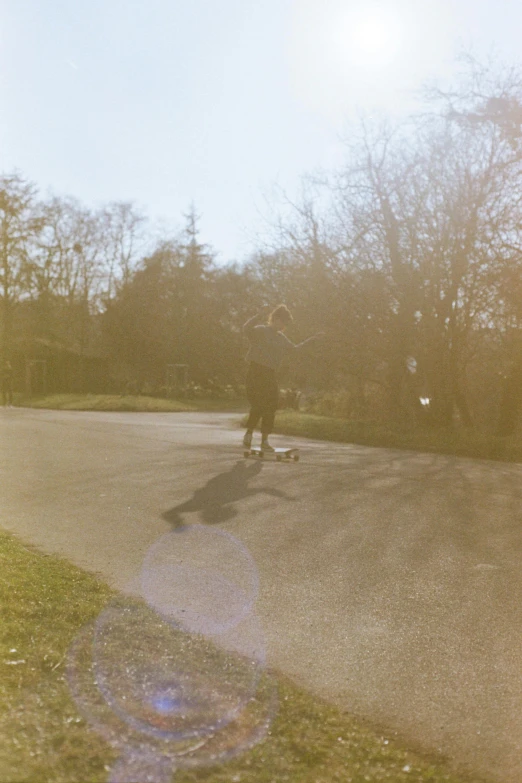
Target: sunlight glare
371 36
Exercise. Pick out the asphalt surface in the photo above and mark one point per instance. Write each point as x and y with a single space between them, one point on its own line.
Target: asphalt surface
390 581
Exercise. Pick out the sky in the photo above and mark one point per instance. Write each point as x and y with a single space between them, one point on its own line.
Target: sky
217 103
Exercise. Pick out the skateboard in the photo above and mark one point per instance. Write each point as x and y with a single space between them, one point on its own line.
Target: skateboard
279 454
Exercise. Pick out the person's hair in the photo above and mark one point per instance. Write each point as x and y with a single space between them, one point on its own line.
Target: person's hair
281 313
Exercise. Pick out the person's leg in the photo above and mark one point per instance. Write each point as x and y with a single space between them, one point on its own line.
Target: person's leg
269 411
254 396
267 425
255 414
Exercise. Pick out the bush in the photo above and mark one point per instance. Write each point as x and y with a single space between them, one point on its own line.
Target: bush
351 401
338 404
289 398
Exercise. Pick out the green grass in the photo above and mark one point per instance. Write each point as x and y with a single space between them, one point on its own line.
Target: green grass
460 443
115 402
45 601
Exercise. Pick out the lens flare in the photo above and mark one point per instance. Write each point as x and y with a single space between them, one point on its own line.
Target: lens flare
178 680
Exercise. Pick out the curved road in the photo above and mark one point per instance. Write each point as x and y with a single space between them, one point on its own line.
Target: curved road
390 580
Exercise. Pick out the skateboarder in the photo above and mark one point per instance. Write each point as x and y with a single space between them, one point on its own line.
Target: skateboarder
268 347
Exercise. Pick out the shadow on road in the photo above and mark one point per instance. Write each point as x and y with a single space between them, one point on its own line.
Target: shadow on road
215 500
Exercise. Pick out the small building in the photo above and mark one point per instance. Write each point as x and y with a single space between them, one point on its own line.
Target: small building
41 366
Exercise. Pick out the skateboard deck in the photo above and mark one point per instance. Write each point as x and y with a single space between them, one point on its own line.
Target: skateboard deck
279 454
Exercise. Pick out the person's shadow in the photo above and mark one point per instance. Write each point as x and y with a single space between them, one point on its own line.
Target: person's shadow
215 500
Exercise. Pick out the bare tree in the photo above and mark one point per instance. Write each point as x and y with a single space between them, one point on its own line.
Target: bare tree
19 224
123 240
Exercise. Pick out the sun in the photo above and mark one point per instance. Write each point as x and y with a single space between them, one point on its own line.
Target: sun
371 36
348 54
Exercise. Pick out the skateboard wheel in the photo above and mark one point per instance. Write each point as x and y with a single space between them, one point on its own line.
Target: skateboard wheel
296 457
246 454
279 458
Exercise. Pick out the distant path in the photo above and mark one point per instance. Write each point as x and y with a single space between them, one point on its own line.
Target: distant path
391 582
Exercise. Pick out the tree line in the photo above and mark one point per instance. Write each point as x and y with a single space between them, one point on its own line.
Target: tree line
408 256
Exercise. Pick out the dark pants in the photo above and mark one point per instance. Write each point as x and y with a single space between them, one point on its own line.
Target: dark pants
263 396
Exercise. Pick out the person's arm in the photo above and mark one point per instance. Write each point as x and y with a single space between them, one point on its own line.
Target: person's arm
251 324
312 339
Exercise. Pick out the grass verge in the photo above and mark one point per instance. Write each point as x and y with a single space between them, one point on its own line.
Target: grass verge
45 602
460 443
116 402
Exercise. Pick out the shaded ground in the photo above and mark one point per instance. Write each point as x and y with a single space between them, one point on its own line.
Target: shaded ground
215 501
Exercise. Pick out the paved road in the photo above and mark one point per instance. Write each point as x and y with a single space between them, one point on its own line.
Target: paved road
390 581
